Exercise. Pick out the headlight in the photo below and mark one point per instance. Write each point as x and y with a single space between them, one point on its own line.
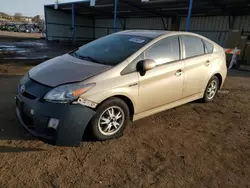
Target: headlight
67 93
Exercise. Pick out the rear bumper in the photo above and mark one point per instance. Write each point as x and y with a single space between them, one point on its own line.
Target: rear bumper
34 116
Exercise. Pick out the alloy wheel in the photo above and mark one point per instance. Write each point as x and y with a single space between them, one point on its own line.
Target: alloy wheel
212 89
111 120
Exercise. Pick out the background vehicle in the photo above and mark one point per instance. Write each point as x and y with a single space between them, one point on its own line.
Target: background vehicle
121 77
12 27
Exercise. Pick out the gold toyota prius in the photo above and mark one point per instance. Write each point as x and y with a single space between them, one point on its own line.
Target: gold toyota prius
125 76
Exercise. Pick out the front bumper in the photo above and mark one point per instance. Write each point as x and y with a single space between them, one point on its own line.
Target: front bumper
34 115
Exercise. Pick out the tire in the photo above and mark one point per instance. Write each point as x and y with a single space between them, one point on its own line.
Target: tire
208 96
100 124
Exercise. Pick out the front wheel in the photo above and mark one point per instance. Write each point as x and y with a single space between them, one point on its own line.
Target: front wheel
110 119
211 90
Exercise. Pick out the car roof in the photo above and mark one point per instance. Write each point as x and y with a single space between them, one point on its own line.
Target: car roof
158 33
145 33
154 33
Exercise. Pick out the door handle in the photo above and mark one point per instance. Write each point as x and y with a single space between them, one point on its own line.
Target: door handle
178 73
207 63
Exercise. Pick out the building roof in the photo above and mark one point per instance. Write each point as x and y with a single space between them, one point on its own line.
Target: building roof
162 8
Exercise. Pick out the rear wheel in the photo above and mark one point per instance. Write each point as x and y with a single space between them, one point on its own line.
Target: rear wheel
211 89
110 119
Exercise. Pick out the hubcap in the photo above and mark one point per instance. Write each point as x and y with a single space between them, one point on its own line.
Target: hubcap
212 89
111 120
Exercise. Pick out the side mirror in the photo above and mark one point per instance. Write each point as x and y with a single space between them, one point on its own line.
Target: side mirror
145 65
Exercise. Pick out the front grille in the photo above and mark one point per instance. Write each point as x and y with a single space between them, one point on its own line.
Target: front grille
32 89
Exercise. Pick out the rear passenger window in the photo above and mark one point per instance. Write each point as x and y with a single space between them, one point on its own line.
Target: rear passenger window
165 51
193 46
209 48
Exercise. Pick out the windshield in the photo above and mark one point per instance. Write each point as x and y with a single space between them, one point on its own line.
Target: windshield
112 49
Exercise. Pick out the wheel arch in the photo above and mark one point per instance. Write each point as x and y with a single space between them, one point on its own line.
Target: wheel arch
127 100
219 76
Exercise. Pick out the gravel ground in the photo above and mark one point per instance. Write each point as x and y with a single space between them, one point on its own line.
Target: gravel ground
195 145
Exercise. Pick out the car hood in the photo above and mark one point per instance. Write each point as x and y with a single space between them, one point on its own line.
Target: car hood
65 69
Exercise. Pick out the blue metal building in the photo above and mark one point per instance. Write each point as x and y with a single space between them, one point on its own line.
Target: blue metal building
81 22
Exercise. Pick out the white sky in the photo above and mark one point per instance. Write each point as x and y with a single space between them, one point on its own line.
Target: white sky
27 7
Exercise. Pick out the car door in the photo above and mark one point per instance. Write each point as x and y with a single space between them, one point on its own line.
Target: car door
197 65
163 84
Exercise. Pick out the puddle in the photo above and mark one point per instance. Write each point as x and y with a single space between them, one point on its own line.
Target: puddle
6 46
14 49
4 49
22 50
27 58
33 44
31 49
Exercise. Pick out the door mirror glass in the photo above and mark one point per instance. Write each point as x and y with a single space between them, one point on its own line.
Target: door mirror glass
145 65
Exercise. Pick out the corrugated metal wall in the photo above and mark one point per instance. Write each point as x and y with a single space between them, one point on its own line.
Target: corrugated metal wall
213 27
59 26
216 28
105 26
211 23
242 22
148 23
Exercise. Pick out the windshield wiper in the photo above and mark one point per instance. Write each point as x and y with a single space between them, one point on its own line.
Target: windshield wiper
88 57
73 54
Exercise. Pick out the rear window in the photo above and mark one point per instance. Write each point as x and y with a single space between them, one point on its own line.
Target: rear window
209 47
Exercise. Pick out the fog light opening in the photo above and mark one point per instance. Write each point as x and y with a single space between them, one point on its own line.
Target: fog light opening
53 123
32 112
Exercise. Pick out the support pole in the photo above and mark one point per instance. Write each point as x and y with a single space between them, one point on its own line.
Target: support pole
115 14
93 28
163 23
175 25
73 21
189 14
46 25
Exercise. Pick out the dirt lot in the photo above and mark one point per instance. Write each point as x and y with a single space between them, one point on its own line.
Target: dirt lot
195 145
8 35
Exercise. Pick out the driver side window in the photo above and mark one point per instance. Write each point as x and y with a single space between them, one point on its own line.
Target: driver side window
165 51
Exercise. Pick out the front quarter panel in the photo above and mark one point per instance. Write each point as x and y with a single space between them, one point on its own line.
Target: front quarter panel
125 85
